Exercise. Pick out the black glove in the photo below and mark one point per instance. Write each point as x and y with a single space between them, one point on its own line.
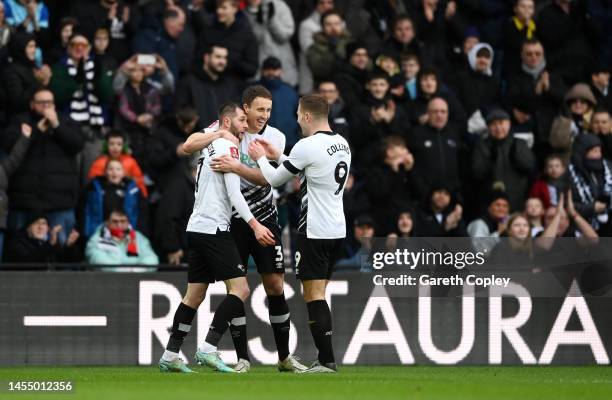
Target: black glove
271 11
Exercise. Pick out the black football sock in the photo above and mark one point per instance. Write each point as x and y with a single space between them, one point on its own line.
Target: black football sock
279 319
239 335
320 322
180 327
230 308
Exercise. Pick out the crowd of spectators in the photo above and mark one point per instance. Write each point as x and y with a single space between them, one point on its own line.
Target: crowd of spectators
460 114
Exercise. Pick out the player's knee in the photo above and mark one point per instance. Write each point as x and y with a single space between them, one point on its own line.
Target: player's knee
274 287
194 299
242 291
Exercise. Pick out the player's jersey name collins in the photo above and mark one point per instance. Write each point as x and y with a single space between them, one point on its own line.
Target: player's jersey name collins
334 148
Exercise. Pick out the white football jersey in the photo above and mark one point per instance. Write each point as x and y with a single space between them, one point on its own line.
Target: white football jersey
323 161
259 198
212 208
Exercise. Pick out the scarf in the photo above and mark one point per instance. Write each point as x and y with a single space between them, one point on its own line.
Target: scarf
536 71
584 189
531 27
108 234
84 106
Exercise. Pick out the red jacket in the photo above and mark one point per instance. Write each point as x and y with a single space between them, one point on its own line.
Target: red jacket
540 190
130 166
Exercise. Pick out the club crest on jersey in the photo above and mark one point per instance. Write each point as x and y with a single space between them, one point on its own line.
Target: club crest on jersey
242 268
234 152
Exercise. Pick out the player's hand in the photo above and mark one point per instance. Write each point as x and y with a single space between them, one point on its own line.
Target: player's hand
272 153
175 258
225 134
256 150
262 234
225 163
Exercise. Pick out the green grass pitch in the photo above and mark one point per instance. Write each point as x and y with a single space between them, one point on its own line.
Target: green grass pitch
410 382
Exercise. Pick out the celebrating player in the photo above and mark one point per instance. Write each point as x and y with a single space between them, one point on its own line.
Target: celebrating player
213 255
322 159
257 103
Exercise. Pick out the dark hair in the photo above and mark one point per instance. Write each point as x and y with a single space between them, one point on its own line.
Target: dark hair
316 105
554 156
115 133
400 18
41 89
170 13
409 56
393 141
253 92
328 13
227 109
427 71
219 3
114 210
531 42
601 110
377 74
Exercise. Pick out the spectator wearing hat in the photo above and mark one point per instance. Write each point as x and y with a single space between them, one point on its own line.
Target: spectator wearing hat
116 242
478 89
47 179
579 104
440 215
600 86
338 113
389 184
329 47
568 34
356 251
377 117
486 230
284 98
273 26
208 86
590 176
503 160
540 90
517 29
308 28
21 77
231 28
352 76
37 242
435 146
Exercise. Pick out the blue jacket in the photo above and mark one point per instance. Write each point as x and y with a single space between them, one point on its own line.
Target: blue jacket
152 41
285 100
94 208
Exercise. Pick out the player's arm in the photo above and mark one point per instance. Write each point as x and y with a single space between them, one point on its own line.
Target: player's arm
232 184
229 164
288 167
199 140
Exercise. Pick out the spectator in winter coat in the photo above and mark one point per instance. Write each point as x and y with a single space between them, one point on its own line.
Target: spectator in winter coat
534 211
21 78
232 30
503 160
308 27
209 86
116 242
553 182
377 117
440 216
47 179
38 243
163 40
590 176
390 184
116 148
352 76
7 167
403 39
31 16
356 249
284 98
112 191
139 107
59 46
173 213
519 28
329 47
436 148
600 86
273 26
486 230
601 125
338 113
576 117
167 159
